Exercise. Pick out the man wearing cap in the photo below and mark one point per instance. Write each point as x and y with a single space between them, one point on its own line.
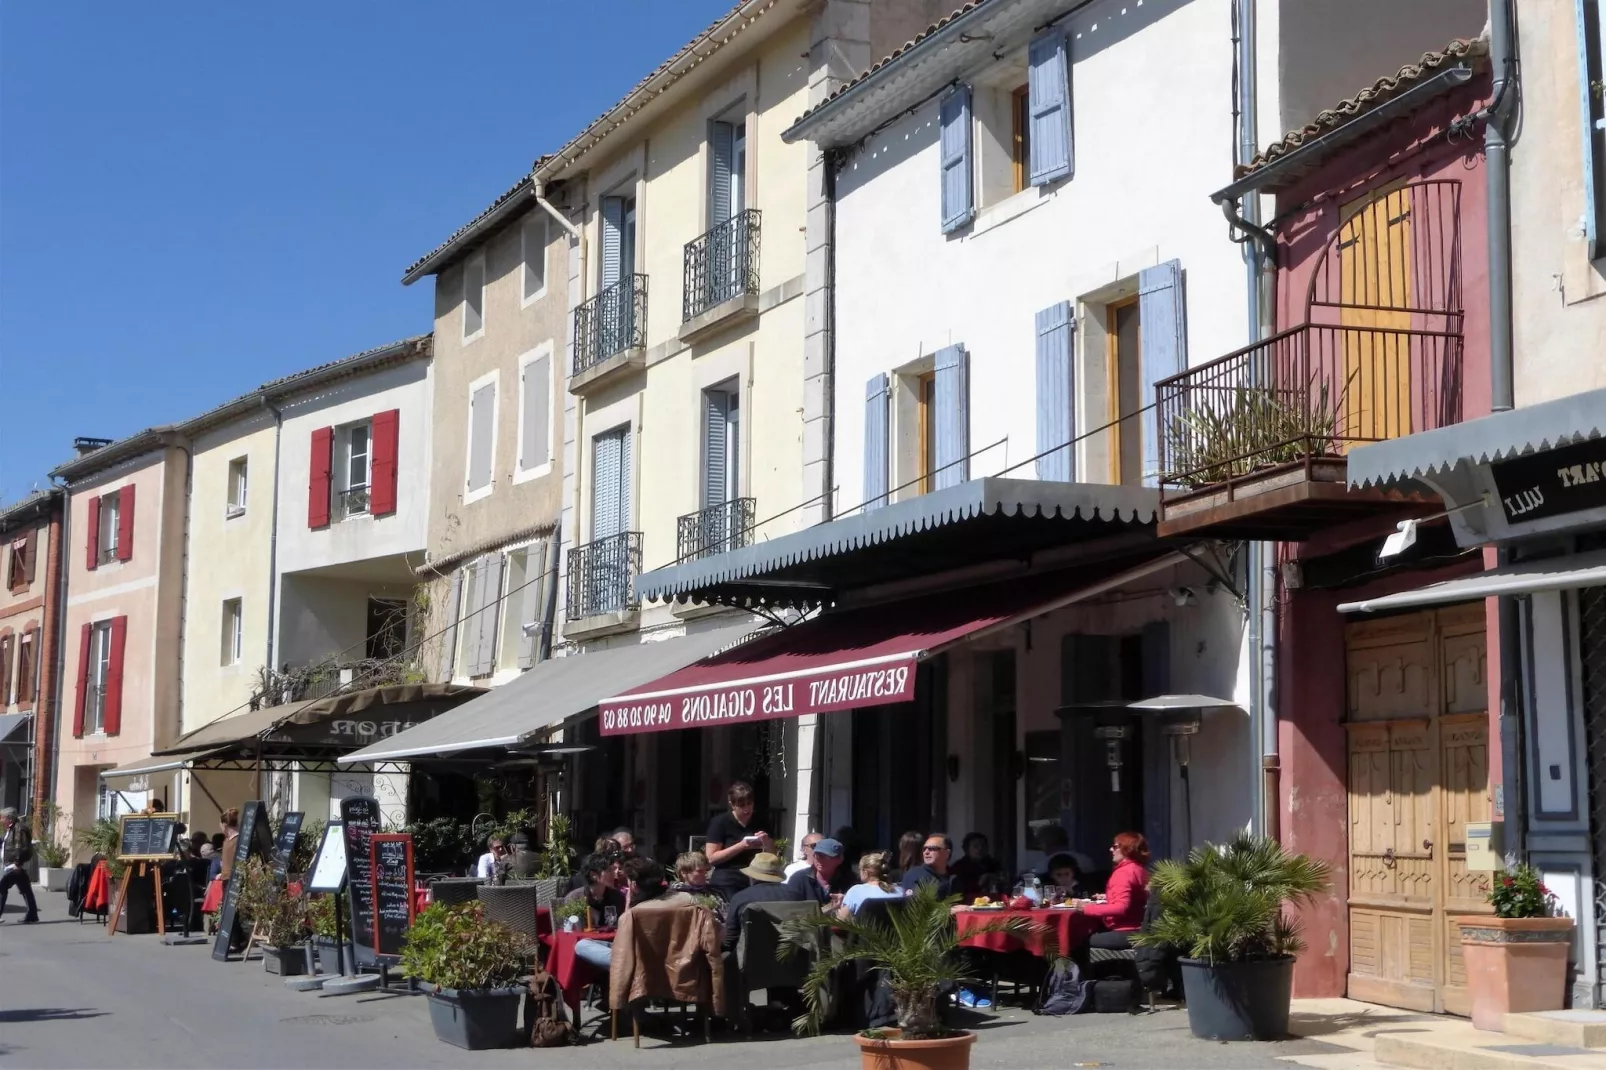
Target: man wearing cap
805 858
815 882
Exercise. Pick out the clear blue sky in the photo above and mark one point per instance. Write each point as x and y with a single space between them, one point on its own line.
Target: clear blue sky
199 197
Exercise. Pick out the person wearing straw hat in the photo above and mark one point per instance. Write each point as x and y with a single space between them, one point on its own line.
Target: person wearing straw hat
767 871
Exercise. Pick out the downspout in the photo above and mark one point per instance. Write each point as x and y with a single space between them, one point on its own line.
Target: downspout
183 586
64 570
273 537
1260 259
828 508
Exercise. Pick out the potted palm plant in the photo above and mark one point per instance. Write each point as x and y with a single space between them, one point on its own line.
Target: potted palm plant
1223 909
472 967
1517 959
917 953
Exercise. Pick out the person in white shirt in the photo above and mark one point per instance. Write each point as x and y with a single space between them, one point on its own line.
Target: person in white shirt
806 857
486 869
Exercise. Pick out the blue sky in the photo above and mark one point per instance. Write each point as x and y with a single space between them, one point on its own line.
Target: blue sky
196 198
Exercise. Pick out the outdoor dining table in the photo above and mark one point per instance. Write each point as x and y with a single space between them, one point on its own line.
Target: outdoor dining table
1069 928
571 972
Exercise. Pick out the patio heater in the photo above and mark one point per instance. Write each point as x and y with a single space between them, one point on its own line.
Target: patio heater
1183 716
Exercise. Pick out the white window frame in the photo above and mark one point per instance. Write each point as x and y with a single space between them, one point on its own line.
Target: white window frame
522 474
537 223
493 378
233 645
340 478
475 262
111 510
100 662
237 492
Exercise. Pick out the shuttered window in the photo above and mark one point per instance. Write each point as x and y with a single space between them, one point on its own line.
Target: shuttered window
721 445
1049 90
535 413
1056 394
481 436
92 535
958 199
473 296
27 667
613 226
483 626
454 610
1164 348
721 152
875 442
951 418
320 463
610 495
386 440
125 523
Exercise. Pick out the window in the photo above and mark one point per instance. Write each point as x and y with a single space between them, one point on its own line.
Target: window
533 241
1020 141
525 585
535 412
926 392
618 239
1123 391
237 486
727 170
110 512
99 675
476 628
473 297
233 631
481 436
386 635
17 569
610 484
6 643
722 437
1592 80
27 652
353 468
468 619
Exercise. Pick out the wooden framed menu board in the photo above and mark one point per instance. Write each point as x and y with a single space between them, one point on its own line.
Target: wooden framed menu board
391 867
146 837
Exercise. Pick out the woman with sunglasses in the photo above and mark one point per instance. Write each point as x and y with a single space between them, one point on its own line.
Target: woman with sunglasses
1125 894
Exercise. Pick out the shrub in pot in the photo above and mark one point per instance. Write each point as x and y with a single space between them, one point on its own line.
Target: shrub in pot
54 858
917 953
473 966
276 915
325 933
1516 961
1222 908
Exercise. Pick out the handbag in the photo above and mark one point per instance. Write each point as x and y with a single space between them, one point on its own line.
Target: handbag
549 1029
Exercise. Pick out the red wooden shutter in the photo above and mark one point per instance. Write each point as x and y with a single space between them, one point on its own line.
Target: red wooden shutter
125 524
83 681
382 494
323 451
32 555
6 643
28 658
112 703
92 542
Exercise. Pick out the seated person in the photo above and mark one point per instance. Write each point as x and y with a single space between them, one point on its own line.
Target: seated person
1065 874
768 874
817 880
872 885
495 851
646 879
975 863
1125 896
526 861
600 891
935 851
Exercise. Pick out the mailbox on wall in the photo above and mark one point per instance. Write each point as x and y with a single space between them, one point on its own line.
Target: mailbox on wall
1483 846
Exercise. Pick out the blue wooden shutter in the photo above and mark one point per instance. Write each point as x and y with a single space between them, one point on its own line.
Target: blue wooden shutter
716 415
953 417
605 504
720 138
624 478
449 635
1163 326
613 221
875 441
958 205
1056 394
1049 101
485 623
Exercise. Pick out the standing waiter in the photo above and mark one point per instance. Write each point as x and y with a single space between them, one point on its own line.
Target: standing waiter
16 851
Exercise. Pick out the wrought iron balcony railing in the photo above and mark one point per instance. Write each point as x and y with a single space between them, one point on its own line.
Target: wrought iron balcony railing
1308 392
602 574
722 264
727 526
611 322
353 502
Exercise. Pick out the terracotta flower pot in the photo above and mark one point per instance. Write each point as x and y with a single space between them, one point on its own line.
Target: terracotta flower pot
890 1052
1514 964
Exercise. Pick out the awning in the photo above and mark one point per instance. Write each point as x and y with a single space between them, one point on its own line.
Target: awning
335 722
11 723
551 693
844 659
1550 574
1019 524
157 764
1497 437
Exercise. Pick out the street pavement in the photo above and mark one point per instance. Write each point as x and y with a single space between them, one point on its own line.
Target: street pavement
71 996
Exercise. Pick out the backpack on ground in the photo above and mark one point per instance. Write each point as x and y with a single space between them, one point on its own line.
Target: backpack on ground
549 1027
1063 991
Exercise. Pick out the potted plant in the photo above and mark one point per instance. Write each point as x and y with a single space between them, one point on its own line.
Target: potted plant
278 916
1516 960
557 860
472 966
1223 909
325 934
917 953
562 912
54 858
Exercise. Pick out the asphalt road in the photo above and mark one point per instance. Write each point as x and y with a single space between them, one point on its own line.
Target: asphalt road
70 996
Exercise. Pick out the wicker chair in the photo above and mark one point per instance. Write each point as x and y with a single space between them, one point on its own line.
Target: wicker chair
513 905
454 890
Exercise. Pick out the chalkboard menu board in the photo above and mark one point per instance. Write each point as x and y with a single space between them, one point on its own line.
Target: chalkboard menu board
146 836
284 844
255 838
392 867
359 818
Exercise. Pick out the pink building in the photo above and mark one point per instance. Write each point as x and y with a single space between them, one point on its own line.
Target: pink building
30 545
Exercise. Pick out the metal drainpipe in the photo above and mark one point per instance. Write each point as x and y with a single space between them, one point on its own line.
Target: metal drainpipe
65 571
830 163
273 533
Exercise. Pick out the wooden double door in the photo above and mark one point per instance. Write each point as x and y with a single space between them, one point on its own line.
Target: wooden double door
1418 734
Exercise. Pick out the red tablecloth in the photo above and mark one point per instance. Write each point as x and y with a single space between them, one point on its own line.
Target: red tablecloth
1070 929
571 972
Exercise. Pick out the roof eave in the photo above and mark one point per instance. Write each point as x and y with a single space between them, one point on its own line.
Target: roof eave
38 504
135 445
458 245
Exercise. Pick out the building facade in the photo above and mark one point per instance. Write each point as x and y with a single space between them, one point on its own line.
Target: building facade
30 644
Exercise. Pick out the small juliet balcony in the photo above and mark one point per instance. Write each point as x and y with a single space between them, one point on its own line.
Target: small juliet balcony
602 576
722 527
610 334
721 277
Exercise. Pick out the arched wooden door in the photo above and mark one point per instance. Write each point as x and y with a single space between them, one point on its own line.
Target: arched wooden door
1418 730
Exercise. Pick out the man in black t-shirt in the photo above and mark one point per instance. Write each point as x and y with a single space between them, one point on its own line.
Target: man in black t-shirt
934 867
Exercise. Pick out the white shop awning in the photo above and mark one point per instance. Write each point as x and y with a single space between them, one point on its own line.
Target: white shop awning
1563 573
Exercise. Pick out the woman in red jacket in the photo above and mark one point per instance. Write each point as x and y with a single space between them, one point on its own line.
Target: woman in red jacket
1125 895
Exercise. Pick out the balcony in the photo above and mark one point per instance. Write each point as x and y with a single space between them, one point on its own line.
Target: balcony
352 502
1252 445
610 334
602 574
727 526
721 277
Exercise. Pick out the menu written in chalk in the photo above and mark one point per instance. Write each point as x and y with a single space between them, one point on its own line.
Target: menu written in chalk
147 836
285 844
359 818
254 839
392 865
